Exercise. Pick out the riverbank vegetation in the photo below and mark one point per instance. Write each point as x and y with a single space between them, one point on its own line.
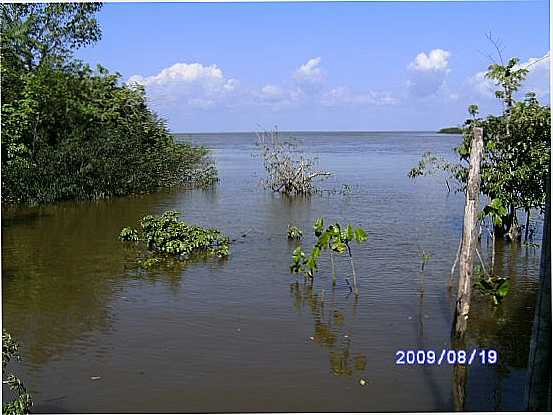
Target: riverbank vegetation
516 157
165 237
22 402
73 132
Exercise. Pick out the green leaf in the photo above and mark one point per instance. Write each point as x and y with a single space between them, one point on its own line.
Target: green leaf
339 247
360 235
324 239
503 289
349 233
318 226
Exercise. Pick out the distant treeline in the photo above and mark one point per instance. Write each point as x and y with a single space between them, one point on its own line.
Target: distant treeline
72 132
451 130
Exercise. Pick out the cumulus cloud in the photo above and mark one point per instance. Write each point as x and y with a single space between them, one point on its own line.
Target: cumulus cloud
187 87
195 84
310 71
436 60
427 73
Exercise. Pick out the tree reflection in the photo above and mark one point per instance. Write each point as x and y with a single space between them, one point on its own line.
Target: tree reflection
330 331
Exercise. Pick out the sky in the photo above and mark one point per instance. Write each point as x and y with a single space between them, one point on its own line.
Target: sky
371 66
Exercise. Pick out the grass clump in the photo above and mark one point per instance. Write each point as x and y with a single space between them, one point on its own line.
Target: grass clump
166 236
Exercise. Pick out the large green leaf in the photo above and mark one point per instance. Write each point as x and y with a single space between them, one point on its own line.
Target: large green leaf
349 233
339 247
360 235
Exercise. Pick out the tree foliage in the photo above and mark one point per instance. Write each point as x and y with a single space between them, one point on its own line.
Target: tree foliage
73 132
517 150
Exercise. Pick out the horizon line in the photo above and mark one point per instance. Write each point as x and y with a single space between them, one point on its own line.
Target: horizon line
310 131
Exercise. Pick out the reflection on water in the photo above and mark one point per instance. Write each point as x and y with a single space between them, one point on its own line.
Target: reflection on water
330 329
173 338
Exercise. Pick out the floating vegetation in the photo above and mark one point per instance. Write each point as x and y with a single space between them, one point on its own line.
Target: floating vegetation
167 237
294 232
492 285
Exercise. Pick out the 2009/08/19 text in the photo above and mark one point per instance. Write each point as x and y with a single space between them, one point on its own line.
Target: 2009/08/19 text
446 356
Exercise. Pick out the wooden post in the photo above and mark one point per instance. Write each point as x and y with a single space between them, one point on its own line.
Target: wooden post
470 235
539 360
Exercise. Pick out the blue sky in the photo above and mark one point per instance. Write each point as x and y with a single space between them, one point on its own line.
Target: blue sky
215 67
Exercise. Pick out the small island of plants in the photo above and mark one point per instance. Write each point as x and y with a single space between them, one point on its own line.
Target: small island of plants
450 130
166 238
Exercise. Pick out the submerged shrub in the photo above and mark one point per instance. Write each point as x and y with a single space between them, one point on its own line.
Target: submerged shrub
288 170
336 239
166 235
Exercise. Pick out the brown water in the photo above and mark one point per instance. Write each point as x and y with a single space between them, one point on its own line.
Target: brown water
243 334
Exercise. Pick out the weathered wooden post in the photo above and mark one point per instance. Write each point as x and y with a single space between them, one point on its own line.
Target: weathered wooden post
539 360
470 235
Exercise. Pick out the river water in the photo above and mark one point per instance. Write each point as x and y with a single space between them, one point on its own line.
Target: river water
243 334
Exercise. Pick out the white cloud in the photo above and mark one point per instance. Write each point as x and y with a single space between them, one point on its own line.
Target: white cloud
427 73
436 60
185 87
482 85
194 84
272 92
310 71
344 96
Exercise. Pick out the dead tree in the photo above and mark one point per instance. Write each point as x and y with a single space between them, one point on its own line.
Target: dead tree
288 170
470 235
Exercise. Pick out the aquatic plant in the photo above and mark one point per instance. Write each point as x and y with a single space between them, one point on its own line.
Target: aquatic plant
294 232
166 235
22 403
288 170
336 239
425 257
492 285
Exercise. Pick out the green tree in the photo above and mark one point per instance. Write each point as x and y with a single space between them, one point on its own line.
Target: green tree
35 33
516 150
73 132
